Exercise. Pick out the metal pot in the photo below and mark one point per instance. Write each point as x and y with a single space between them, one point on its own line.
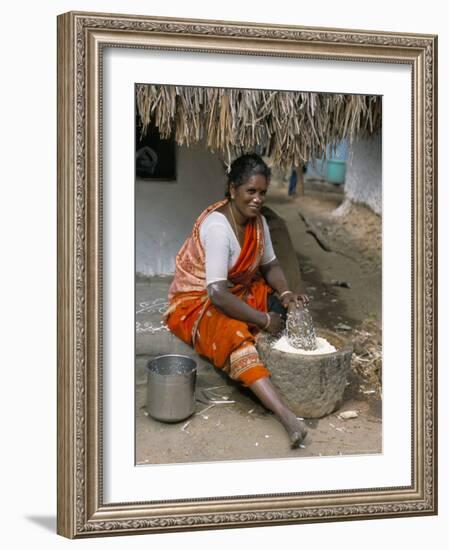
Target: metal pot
171 387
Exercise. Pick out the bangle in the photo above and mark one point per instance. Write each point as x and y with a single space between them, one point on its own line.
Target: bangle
267 324
285 292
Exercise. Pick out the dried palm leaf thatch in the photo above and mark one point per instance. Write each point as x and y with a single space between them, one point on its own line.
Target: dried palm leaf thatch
289 127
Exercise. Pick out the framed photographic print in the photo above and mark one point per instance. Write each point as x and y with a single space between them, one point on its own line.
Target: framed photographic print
313 384
359 241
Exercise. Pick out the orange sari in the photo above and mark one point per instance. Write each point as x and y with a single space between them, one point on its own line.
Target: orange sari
227 342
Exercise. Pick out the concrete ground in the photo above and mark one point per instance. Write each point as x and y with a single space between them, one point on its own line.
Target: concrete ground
243 429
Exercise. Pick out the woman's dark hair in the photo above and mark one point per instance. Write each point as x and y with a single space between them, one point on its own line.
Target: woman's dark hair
243 168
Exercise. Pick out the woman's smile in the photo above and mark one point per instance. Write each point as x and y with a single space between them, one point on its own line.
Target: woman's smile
249 198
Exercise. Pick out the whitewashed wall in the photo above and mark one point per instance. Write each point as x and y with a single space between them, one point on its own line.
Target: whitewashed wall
166 211
363 182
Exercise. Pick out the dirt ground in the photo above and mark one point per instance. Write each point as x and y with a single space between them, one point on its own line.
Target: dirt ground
339 254
344 283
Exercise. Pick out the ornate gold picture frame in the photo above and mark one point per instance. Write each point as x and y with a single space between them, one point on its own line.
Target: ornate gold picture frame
82 41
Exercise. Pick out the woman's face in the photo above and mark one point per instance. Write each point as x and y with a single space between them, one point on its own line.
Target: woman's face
249 197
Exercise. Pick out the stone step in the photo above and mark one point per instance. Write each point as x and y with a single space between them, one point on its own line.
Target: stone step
160 343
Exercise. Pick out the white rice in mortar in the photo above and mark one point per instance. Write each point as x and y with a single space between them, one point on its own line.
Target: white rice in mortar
322 346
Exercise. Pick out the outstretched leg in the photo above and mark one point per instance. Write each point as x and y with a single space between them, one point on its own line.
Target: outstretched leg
268 395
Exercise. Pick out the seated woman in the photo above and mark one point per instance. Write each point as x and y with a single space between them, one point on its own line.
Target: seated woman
222 292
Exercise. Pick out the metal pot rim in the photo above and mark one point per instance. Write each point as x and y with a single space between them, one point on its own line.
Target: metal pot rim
190 361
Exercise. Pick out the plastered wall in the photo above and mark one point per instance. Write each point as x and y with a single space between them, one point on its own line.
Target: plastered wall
364 173
166 211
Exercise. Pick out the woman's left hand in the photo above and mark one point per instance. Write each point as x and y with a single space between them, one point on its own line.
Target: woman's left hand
299 300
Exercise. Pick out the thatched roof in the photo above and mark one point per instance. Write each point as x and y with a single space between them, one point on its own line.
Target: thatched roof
288 127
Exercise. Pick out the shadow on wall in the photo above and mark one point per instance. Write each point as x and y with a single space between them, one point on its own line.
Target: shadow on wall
46 522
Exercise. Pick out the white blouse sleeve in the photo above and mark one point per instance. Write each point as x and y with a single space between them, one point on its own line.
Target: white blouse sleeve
217 250
268 255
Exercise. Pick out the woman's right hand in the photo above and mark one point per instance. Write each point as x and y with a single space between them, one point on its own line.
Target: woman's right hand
277 323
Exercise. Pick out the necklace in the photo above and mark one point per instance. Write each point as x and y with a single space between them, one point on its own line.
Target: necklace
234 222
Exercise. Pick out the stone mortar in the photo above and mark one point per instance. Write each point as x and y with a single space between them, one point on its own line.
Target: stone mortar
311 385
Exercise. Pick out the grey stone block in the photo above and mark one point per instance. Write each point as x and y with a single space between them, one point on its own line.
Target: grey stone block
311 385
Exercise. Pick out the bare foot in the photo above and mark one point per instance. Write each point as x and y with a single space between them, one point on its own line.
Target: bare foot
297 437
268 395
296 430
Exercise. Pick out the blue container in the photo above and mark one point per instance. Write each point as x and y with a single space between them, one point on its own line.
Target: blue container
336 171
332 166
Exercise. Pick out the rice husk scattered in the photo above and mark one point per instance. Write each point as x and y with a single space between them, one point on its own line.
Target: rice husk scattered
367 359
